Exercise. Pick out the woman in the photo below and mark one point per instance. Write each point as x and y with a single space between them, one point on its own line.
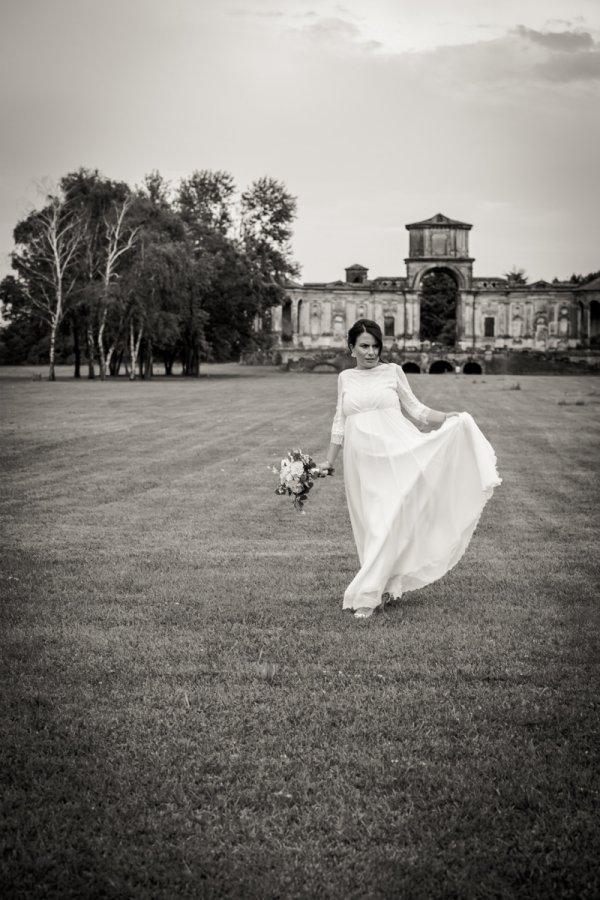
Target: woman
414 498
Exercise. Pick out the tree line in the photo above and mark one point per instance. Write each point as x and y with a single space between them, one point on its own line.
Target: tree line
108 276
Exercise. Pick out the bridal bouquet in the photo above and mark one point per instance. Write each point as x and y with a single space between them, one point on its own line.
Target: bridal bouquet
297 475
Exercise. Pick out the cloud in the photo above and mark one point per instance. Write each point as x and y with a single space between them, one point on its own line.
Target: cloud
568 56
520 57
338 33
238 12
258 14
574 67
566 41
568 23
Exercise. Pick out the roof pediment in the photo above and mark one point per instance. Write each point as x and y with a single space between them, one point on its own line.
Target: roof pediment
439 219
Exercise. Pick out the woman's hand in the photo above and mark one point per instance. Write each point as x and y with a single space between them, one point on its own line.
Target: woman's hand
325 468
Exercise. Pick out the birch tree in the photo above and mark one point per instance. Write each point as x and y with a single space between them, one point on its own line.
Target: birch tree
47 245
120 237
98 200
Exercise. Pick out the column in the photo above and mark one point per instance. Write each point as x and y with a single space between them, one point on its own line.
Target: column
326 317
276 320
416 319
460 302
295 321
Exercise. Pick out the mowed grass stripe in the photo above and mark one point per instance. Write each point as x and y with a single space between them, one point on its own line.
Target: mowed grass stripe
187 711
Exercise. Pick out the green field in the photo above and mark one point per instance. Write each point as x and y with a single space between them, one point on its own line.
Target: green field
186 710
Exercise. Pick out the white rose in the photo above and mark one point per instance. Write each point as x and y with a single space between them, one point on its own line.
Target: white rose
297 467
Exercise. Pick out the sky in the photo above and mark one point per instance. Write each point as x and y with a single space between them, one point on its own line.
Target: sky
374 113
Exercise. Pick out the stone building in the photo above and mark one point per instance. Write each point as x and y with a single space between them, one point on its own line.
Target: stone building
493 313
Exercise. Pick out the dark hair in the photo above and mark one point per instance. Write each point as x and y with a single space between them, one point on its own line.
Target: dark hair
370 327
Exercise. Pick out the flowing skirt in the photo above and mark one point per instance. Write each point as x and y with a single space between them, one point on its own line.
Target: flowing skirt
414 499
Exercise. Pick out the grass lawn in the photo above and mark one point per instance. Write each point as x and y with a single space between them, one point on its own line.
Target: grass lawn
186 710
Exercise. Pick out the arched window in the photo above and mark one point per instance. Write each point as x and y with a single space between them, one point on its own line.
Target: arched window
595 323
287 330
389 326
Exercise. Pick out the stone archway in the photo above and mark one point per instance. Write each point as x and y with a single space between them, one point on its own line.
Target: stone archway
411 367
287 325
322 367
472 368
440 367
594 323
438 296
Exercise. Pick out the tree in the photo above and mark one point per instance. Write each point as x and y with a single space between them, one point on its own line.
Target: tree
106 207
584 279
516 276
120 237
24 338
268 211
157 190
187 274
438 308
205 201
47 242
156 287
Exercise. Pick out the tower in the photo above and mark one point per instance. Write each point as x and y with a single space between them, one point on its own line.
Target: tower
439 243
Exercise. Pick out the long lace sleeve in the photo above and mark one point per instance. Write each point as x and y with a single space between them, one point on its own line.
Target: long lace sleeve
339 420
413 407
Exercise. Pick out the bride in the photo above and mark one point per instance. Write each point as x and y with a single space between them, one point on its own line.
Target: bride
414 498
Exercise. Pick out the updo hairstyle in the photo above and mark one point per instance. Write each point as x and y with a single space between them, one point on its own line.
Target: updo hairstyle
371 327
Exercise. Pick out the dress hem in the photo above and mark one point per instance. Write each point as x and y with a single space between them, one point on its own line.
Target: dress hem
358 601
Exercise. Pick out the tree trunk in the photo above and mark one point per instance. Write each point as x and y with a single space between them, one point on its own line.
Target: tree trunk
109 358
76 348
131 353
149 360
194 369
54 323
53 328
101 352
191 361
89 334
134 349
115 366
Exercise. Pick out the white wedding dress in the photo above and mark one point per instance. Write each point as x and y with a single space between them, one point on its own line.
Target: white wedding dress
414 498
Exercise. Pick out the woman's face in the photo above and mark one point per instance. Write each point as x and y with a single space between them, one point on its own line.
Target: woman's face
366 351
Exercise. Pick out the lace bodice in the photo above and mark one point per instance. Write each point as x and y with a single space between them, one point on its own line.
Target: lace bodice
361 390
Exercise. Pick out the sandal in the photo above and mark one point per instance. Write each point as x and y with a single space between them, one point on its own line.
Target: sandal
363 612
